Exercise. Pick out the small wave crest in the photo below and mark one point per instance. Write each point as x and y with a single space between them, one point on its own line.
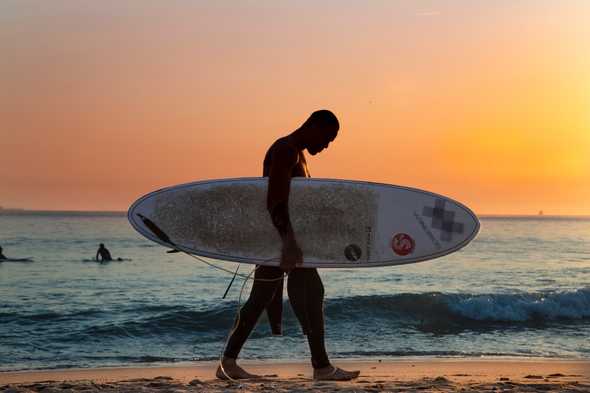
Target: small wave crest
430 311
550 306
176 320
514 307
433 311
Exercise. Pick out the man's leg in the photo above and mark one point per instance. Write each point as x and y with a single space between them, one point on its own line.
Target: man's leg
261 294
306 294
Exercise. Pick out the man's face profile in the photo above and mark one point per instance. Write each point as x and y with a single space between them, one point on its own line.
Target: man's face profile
321 140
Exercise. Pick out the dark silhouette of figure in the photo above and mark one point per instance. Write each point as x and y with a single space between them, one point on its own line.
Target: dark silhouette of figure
4 258
103 253
284 160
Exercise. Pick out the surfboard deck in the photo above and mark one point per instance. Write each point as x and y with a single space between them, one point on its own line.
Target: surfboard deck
337 223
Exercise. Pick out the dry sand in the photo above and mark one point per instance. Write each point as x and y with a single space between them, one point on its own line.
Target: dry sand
441 375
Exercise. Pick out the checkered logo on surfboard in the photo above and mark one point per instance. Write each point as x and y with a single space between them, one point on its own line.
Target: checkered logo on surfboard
443 220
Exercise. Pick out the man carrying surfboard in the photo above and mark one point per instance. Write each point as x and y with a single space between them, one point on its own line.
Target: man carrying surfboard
284 160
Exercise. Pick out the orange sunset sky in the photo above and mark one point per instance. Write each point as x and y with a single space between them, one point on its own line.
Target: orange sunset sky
487 102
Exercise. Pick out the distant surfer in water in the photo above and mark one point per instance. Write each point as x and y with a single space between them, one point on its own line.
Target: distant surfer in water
103 253
284 160
4 258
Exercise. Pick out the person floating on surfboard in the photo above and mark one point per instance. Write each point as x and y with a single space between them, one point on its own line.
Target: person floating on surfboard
284 160
4 258
103 253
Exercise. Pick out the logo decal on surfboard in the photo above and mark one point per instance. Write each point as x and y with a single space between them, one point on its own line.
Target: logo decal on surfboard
352 252
443 219
402 244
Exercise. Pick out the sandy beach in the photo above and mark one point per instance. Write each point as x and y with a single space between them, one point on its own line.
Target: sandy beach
446 375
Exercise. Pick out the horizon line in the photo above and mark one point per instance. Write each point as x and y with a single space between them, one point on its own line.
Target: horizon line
16 211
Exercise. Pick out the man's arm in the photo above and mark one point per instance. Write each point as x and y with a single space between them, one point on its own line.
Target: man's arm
279 185
277 203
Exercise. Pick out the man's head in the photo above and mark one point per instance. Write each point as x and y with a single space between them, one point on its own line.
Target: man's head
320 129
101 245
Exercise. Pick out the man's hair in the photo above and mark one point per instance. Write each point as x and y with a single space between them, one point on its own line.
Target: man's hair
323 118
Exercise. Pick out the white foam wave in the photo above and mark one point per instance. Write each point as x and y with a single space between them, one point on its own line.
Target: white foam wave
523 307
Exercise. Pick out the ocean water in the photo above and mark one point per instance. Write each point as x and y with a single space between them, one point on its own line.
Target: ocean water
520 289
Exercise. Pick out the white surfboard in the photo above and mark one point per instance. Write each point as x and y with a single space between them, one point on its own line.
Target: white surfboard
337 223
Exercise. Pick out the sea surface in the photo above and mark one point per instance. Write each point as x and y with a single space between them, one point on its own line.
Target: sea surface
520 289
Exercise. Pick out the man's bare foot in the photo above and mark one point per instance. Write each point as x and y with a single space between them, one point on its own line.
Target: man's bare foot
228 369
332 373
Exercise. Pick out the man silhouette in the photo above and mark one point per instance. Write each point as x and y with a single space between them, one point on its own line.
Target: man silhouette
103 253
284 160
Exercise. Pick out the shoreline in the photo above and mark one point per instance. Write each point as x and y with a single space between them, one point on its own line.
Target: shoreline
280 361
446 374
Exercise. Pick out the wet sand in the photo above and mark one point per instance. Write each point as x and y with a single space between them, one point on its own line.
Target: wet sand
442 375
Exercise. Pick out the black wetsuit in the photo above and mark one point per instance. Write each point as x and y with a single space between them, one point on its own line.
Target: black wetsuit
305 289
104 253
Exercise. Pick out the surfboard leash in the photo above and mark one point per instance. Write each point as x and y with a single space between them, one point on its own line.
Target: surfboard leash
160 234
176 248
231 282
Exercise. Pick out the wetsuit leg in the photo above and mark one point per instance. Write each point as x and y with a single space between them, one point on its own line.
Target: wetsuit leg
306 295
260 296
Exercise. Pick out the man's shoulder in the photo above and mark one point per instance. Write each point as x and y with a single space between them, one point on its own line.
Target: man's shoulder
283 151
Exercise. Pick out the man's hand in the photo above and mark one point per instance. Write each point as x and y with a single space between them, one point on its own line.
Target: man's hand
291 255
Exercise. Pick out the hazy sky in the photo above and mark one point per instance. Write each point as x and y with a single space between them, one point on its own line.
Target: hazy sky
487 102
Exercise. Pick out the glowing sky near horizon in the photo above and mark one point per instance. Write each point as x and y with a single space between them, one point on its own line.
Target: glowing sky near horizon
486 102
